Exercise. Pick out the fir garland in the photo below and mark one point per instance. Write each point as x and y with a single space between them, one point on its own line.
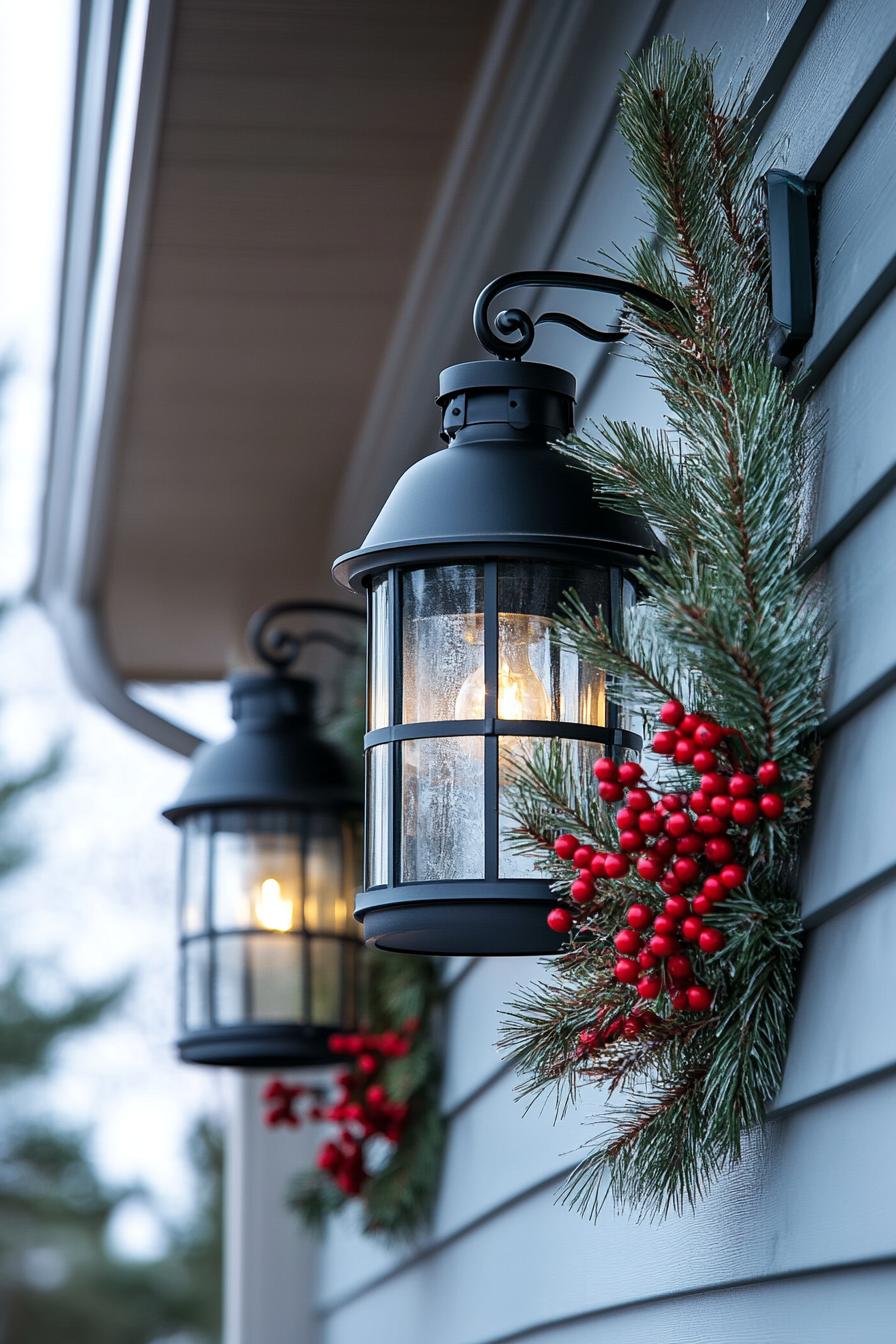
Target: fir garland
731 627
385 1144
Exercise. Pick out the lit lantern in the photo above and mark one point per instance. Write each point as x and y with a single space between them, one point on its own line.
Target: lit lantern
464 570
271 822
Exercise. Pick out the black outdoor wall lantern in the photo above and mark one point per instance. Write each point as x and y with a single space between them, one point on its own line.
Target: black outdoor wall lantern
270 862
464 570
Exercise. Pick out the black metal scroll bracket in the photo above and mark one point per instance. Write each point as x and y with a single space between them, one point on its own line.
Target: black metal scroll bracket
280 648
517 322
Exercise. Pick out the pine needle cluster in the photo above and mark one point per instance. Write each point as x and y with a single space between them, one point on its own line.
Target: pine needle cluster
728 623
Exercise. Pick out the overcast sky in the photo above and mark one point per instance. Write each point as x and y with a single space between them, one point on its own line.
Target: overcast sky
98 899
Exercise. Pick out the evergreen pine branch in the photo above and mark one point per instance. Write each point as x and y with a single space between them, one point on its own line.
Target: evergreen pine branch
727 623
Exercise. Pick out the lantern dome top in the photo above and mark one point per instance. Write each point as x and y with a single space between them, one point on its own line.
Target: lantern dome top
499 488
275 758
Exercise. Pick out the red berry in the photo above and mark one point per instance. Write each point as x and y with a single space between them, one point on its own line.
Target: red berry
630 772
713 888
631 841
684 751
664 743
708 734
662 945
677 907
627 941
375 1094
665 923
741 784
702 904
626 818
605 769
638 916
710 825
713 782
721 805
565 846
771 805
664 847
678 824
686 869
639 800
589 1038
649 987
744 812
704 760
650 823
689 844
673 802
597 865
626 970
698 802
679 966
689 724
699 999
631 1027
615 865
670 885
711 940
679 1000
559 920
733 875
368 1064
768 773
583 856
672 712
646 960
719 849
690 928
612 1029
581 891
609 790
650 868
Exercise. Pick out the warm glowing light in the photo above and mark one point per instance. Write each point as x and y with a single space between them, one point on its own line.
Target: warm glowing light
273 910
521 694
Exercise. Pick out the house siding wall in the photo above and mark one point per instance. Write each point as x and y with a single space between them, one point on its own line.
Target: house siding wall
799 1242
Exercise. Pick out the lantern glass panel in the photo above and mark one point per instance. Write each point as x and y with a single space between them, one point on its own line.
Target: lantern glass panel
325 895
326 981
442 809
380 646
538 676
580 756
257 875
258 977
442 671
194 875
195 1004
378 816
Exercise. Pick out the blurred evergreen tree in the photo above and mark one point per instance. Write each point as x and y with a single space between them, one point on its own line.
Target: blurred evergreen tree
59 1278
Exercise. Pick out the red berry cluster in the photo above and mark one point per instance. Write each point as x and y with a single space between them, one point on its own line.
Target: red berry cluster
363 1108
629 1026
681 841
282 1101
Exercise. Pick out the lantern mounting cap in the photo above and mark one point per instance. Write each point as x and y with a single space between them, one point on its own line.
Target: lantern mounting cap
492 334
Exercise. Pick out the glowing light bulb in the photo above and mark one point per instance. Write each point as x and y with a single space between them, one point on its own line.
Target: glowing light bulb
521 694
273 910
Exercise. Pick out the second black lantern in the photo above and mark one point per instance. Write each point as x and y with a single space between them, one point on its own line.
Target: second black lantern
464 569
270 819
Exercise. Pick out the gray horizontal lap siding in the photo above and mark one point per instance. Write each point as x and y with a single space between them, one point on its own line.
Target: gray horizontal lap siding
799 1243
